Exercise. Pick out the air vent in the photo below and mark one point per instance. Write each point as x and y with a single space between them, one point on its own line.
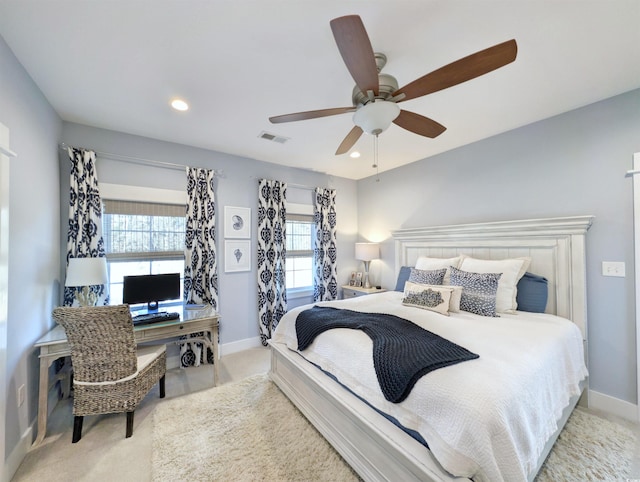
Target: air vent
272 137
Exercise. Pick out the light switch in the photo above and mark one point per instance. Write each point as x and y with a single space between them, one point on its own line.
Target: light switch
613 268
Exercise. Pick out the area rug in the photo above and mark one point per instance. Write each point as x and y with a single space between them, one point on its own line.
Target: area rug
244 431
590 448
249 431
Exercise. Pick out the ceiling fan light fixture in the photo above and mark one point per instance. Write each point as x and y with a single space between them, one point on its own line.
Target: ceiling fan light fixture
375 117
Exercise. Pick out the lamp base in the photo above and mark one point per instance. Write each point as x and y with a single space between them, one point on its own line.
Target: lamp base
86 297
366 274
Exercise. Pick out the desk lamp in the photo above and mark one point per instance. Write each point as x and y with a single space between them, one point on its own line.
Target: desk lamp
367 252
86 272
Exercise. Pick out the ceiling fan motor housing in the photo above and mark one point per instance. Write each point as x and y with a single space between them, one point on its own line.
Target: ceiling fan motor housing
388 85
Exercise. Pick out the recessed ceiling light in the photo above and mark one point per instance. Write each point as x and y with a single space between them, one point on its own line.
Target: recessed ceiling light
354 154
179 104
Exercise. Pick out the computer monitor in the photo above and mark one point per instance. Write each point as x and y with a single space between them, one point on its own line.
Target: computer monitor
151 289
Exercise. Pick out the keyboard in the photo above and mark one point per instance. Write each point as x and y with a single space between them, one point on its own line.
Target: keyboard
148 318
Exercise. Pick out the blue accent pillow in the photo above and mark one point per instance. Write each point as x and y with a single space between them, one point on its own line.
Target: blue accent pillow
533 291
403 277
478 291
427 276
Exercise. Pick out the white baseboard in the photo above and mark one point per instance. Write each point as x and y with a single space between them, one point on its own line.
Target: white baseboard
236 346
173 360
614 406
18 454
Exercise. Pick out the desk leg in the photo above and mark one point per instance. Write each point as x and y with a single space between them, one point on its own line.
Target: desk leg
42 399
216 357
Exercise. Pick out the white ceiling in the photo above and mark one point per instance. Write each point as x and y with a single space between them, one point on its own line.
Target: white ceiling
117 64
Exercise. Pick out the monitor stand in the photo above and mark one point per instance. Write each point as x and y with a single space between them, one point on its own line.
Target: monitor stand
152 308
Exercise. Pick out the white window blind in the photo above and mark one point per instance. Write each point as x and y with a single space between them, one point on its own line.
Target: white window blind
139 230
299 251
142 238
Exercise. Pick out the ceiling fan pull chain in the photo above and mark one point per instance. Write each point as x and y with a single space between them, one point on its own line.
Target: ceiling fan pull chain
375 151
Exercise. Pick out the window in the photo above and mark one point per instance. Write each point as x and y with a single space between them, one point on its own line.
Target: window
142 238
300 228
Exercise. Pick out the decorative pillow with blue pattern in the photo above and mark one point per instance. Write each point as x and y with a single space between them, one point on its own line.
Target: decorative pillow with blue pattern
427 277
478 291
428 297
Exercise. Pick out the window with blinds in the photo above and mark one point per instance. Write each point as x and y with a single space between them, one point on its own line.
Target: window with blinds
142 238
299 251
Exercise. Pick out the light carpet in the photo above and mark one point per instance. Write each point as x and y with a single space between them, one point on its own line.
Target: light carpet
249 431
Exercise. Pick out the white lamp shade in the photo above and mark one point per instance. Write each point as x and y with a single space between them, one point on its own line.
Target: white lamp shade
87 272
376 117
367 251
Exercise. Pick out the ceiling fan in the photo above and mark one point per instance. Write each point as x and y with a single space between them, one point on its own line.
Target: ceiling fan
376 95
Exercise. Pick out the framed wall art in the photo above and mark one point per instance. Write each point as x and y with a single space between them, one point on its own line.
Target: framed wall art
237 222
237 256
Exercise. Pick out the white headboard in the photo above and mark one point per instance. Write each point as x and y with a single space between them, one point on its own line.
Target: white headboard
556 247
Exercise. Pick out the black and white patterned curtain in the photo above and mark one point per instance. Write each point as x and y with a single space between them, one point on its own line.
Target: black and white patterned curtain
84 236
325 272
200 261
272 253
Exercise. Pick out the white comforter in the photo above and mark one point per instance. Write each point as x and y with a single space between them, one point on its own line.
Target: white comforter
486 419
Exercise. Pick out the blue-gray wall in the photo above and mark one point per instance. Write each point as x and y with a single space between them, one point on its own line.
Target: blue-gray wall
34 219
571 164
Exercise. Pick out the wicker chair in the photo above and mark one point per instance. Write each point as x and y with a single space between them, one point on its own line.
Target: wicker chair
111 374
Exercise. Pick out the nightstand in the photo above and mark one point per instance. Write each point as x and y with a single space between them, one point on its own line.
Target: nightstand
353 291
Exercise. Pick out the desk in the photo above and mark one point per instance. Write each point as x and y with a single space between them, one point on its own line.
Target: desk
54 345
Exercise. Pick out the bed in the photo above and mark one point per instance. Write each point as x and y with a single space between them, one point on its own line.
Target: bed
379 449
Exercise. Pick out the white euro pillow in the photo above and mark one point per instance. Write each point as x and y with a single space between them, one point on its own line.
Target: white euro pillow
511 269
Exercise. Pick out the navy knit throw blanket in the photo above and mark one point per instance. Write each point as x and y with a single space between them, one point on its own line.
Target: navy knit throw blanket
402 351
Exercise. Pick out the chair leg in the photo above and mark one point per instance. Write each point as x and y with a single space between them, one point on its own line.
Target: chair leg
162 392
129 424
77 428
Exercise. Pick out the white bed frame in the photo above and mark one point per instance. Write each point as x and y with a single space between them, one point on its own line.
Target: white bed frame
375 447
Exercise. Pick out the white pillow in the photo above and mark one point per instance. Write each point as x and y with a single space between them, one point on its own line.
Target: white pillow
512 270
456 294
426 263
428 297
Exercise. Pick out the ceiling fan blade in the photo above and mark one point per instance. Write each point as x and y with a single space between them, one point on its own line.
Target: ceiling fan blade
455 73
357 53
348 142
311 114
419 124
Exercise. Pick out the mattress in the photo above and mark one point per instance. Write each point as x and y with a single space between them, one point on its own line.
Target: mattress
487 419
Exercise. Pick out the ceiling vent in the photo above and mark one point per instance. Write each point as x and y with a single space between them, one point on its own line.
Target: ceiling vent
272 137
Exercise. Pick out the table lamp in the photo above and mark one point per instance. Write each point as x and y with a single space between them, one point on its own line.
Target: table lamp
367 252
86 272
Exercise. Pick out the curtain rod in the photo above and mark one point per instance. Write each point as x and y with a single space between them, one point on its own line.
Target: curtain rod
140 160
7 152
301 186
292 184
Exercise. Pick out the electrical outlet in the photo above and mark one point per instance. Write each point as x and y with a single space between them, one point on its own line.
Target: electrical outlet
20 395
613 268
